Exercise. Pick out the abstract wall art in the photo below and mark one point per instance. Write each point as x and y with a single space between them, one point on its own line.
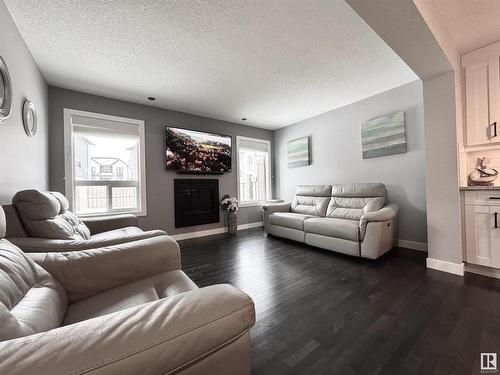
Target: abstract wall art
298 153
384 136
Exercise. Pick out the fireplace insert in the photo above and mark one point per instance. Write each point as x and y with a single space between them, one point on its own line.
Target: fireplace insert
196 202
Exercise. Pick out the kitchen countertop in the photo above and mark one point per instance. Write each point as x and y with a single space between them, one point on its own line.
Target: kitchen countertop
479 188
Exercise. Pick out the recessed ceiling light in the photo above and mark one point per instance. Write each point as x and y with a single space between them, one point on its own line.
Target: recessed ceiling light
243 119
152 98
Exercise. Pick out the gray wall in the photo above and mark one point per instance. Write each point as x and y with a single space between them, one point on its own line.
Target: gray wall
444 230
160 183
428 51
23 160
336 154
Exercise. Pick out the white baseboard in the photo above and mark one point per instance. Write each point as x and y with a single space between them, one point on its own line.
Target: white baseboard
483 270
211 232
442 265
201 233
251 225
420 246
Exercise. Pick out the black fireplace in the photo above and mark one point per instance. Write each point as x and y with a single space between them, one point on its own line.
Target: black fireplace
196 202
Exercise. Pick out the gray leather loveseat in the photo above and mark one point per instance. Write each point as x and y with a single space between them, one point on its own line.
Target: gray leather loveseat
40 222
124 309
353 219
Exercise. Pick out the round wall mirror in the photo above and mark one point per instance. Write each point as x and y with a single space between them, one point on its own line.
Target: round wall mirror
5 91
2 91
29 118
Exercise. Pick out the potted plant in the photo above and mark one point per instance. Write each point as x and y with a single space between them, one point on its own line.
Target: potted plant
230 205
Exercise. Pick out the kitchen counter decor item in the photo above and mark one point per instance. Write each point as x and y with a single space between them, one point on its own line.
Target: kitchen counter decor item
482 175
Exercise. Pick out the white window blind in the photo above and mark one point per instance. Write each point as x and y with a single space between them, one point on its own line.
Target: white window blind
105 167
95 126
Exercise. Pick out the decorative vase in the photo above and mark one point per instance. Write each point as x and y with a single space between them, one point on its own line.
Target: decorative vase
232 223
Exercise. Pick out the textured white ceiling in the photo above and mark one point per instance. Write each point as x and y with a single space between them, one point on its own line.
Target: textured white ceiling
471 23
273 62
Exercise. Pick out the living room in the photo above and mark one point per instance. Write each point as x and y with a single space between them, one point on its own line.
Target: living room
249 187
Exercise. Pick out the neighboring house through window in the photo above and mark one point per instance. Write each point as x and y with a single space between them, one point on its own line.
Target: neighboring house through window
107 166
254 170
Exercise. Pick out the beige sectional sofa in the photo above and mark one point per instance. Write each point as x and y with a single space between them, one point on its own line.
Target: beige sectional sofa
353 219
40 221
123 309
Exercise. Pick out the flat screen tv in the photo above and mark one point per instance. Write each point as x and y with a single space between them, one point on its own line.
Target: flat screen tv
191 151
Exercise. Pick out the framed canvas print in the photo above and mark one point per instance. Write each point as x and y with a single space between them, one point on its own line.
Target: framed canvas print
298 153
384 136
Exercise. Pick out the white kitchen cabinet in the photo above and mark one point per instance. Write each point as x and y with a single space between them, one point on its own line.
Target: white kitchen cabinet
482 95
482 226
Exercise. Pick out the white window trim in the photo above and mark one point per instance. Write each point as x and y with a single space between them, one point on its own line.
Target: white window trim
268 174
69 170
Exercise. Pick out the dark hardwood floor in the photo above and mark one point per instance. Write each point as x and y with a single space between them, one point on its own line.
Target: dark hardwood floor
323 313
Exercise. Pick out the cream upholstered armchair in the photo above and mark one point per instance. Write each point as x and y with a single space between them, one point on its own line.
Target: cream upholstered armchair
41 221
124 309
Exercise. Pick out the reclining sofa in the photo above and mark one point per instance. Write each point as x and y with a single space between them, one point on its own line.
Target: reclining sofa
125 309
41 222
352 219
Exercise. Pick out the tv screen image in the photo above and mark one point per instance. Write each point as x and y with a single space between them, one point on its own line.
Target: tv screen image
197 152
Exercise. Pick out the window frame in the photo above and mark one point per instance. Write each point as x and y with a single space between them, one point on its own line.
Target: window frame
269 190
69 160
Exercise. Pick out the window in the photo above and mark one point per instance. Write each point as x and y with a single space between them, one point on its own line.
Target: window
105 162
119 172
106 169
254 171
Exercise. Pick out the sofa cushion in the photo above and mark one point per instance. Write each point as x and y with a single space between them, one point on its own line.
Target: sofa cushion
31 300
351 201
364 190
311 199
315 206
112 238
289 220
146 290
331 227
15 227
3 224
45 215
314 190
353 208
117 234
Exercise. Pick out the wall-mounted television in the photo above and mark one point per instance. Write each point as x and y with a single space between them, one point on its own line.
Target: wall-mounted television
192 151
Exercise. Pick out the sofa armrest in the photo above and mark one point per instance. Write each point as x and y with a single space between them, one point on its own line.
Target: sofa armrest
86 273
276 207
160 337
386 213
101 224
46 245
269 209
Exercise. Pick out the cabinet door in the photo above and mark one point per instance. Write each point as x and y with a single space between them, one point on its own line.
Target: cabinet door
478 224
494 97
495 236
477 103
